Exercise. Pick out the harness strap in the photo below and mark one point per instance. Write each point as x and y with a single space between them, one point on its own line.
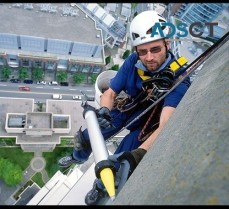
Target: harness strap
146 124
174 66
159 83
141 73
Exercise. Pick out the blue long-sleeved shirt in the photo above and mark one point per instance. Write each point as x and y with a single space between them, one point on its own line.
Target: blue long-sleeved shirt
128 80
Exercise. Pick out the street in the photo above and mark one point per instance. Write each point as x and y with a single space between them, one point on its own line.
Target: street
41 93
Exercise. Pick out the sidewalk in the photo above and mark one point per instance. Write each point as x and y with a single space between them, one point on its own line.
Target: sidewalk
37 165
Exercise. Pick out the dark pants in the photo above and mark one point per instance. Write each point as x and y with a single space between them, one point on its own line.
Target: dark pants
119 120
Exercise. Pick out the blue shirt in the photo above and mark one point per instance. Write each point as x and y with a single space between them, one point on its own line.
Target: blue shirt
128 80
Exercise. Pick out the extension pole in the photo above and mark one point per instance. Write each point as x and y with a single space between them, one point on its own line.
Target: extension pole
104 170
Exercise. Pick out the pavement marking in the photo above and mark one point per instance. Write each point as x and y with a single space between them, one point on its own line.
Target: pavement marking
32 92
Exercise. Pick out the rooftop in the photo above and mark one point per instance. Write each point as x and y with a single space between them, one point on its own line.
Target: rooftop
53 25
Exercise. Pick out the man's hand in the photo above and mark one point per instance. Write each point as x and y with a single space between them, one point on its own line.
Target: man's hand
128 162
104 118
138 154
133 158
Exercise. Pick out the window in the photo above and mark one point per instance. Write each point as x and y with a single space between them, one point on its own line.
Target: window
25 63
2 61
37 63
50 65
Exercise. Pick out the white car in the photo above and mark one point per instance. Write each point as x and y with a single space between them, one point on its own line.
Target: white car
76 97
54 83
41 82
57 96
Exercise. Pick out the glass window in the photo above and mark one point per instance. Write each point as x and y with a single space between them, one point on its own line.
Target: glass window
25 63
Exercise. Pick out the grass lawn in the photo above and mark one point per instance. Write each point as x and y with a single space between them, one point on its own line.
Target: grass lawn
17 156
52 158
38 179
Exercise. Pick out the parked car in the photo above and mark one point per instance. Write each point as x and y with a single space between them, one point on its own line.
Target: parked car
41 82
76 97
57 96
15 80
64 83
91 98
24 88
27 81
53 83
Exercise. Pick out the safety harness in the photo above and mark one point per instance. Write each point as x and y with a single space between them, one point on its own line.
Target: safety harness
159 84
153 86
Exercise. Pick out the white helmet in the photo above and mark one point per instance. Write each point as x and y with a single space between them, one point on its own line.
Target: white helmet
141 27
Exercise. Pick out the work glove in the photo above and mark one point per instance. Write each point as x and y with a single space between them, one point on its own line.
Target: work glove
104 118
79 142
133 158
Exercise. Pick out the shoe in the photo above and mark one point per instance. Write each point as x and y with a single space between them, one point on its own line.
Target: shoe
94 195
68 160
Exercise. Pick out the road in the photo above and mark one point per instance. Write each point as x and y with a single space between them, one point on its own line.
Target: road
43 92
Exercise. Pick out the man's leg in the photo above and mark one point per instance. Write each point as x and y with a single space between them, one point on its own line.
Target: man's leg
129 142
82 147
98 191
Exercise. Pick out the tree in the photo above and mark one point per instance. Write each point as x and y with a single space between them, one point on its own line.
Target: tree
133 6
93 78
108 60
61 76
126 54
23 73
115 67
38 74
135 14
78 78
2 165
6 72
10 173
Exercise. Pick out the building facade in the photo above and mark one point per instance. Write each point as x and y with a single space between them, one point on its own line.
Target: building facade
114 31
197 12
58 42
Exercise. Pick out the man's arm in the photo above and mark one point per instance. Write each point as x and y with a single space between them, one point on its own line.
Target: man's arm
107 98
166 113
106 104
135 156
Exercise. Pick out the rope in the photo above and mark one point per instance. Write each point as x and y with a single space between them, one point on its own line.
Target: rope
146 124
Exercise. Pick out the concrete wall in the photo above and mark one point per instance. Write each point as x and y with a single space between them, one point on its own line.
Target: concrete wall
189 162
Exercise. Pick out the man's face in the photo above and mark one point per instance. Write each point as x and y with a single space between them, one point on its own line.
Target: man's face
152 54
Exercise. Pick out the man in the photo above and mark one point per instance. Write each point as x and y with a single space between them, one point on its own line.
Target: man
151 58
